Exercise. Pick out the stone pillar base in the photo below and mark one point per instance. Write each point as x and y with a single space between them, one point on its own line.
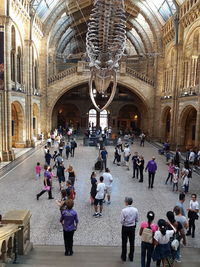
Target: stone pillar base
8 155
28 143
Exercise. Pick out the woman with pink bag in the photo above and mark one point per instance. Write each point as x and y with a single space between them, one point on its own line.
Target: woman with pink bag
47 183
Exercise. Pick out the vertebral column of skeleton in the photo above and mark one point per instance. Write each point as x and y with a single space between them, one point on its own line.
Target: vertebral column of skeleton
106 38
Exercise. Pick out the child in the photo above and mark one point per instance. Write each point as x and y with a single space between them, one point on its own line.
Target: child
38 169
175 178
170 172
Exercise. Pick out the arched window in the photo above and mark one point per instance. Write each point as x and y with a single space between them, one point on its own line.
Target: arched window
19 65
104 119
92 118
13 51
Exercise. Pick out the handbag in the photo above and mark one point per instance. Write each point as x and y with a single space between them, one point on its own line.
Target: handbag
174 242
147 235
46 188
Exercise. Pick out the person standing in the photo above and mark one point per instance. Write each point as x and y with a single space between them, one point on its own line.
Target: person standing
177 158
142 139
104 155
127 154
140 164
71 174
135 165
73 145
147 239
180 203
129 219
99 198
108 180
152 168
193 215
69 221
93 190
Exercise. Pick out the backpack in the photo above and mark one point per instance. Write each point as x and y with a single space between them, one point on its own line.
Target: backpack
75 144
147 235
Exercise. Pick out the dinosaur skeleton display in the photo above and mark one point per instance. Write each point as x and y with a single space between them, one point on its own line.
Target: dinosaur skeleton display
105 42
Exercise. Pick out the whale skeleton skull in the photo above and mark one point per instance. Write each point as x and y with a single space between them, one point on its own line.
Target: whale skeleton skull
105 44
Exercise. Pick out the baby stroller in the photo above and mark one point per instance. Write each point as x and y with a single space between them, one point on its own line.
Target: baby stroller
98 164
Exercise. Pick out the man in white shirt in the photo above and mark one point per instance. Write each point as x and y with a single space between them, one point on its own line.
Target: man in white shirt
129 219
99 198
108 179
127 153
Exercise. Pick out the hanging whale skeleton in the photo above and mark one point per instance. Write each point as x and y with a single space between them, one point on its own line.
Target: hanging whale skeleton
105 44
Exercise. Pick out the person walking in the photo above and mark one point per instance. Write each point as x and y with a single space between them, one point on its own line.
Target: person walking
177 158
47 184
108 180
170 172
99 198
67 150
129 219
38 169
127 154
193 215
147 230
60 174
135 165
142 139
175 179
140 164
48 158
69 221
152 168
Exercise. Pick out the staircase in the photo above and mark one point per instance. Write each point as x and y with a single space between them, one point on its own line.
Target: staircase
86 256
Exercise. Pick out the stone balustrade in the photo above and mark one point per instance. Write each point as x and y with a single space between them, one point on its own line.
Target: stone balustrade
14 235
84 67
187 6
7 236
62 75
140 76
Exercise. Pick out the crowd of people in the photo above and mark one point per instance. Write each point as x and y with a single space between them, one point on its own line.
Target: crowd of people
157 239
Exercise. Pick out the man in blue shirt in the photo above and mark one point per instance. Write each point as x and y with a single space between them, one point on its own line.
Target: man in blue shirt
104 154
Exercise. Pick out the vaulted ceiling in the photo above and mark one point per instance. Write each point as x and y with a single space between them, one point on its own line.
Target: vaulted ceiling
65 24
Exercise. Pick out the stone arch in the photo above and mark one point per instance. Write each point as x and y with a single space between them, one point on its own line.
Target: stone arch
187 127
165 125
66 115
129 117
18 124
36 120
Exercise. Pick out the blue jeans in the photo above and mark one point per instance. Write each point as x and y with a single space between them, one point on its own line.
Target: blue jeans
146 250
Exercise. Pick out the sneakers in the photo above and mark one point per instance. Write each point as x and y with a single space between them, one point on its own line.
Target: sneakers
108 202
96 214
178 260
100 214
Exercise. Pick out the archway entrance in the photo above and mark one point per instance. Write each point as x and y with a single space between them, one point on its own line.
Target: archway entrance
188 127
127 111
129 119
17 126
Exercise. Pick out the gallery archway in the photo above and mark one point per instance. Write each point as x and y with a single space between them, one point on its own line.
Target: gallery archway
166 124
36 122
187 128
17 126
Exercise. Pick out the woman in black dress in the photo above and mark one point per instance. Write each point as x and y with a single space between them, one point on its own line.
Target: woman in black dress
93 190
72 175
140 163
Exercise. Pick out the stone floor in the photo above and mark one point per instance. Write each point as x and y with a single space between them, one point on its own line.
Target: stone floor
18 190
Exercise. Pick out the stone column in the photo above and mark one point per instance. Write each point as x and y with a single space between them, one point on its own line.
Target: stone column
6 134
197 132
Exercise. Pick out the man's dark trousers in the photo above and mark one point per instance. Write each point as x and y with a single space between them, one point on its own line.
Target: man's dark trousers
128 233
151 179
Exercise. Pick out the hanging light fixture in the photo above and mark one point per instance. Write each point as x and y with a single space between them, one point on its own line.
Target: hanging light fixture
105 44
